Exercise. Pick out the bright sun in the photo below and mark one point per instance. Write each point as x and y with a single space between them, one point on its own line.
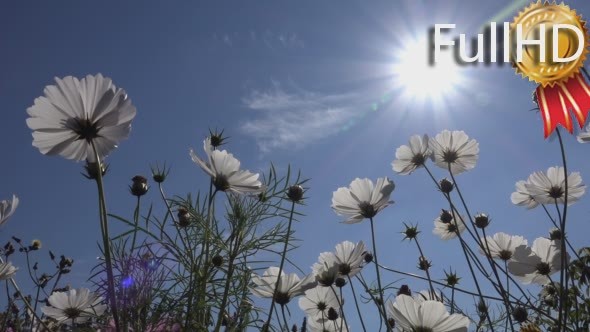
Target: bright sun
421 82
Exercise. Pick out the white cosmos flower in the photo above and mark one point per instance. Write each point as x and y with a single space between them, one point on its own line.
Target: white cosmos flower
454 149
325 274
348 258
362 199
76 305
75 113
536 264
502 245
317 301
522 196
412 156
225 171
7 270
289 286
425 316
547 188
326 325
447 229
7 208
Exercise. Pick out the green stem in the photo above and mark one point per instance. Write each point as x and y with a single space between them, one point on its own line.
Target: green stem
432 293
282 263
381 298
358 309
563 273
106 240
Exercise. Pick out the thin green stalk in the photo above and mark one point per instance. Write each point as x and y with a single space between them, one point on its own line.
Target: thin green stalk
136 222
432 293
563 273
282 263
358 309
284 316
381 297
106 240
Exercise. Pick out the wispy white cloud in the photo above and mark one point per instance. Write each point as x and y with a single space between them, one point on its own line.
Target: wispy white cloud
266 38
292 118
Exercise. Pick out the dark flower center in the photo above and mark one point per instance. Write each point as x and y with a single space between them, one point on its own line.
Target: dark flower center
543 269
422 329
344 269
450 156
451 228
282 298
505 255
322 306
221 183
556 192
418 159
72 312
367 210
85 129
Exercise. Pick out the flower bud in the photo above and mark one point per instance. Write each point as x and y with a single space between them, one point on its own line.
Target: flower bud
35 245
184 217
481 220
159 175
404 290
446 186
295 193
139 186
340 282
411 232
555 234
217 260
368 257
445 216
216 138
391 323
92 170
332 314
423 263
520 314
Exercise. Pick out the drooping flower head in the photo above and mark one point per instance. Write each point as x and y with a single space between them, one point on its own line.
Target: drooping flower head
7 208
410 157
549 188
225 171
522 196
7 270
424 316
317 301
448 229
362 199
537 263
76 305
289 285
75 114
347 259
501 245
454 149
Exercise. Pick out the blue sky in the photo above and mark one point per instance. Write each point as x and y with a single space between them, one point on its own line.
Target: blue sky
307 83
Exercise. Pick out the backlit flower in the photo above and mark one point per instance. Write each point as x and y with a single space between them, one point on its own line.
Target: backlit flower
501 245
317 301
362 199
522 196
454 149
7 208
77 305
7 270
289 286
412 156
549 188
424 316
537 263
74 114
448 230
584 136
225 171
348 258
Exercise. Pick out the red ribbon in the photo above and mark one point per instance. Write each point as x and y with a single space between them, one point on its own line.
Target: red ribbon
558 100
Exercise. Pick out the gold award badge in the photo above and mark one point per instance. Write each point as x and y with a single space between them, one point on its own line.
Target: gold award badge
551 47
